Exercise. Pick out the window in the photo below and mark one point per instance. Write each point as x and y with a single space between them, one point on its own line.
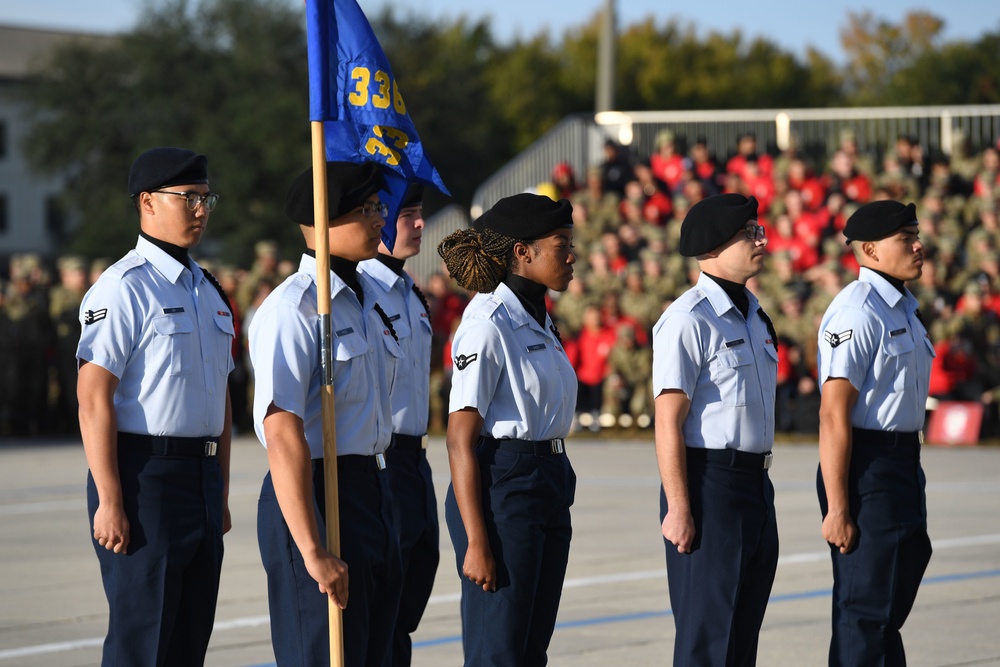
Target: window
55 217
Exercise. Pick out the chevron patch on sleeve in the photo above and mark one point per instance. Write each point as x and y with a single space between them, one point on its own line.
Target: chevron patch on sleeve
835 339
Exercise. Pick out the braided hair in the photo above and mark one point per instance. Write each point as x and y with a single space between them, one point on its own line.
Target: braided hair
477 259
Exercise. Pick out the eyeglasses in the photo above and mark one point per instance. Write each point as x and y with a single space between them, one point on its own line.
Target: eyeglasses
754 232
370 209
194 199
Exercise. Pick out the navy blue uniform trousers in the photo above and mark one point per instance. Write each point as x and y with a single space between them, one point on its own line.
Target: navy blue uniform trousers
415 518
300 628
526 501
162 593
875 586
719 591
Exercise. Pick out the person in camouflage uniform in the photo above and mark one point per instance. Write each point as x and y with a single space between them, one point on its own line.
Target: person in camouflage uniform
628 394
64 311
28 310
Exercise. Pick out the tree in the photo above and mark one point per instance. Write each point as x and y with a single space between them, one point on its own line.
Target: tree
957 73
227 79
879 50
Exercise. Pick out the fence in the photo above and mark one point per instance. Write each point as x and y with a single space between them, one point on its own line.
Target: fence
578 139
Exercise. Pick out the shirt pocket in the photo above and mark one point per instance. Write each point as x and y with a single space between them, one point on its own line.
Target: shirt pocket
730 373
350 376
174 340
899 360
225 333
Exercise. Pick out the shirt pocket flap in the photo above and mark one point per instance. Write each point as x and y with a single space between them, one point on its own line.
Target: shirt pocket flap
349 346
225 324
734 357
168 325
771 352
899 345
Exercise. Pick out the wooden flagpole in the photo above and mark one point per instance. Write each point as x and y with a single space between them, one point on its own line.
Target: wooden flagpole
321 221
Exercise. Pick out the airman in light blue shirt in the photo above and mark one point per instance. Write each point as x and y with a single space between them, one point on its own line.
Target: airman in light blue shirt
285 350
532 399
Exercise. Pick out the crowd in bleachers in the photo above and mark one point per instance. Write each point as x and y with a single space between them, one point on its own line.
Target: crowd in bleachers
627 212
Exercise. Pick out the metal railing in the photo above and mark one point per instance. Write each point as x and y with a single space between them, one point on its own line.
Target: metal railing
578 140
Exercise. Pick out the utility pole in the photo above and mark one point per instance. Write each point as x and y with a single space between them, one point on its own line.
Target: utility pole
605 96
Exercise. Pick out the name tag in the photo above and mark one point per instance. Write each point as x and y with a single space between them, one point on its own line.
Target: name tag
734 343
536 348
171 311
897 332
395 317
344 332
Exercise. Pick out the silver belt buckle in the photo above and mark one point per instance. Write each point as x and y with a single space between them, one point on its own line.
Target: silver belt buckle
211 447
557 445
767 460
380 461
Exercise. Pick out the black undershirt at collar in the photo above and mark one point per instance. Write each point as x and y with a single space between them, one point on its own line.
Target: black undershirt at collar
530 294
175 251
395 265
347 271
895 282
736 292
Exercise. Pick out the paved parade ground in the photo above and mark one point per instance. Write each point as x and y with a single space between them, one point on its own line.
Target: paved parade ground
614 610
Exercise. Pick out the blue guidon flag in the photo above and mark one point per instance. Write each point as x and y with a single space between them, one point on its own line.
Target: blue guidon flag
352 89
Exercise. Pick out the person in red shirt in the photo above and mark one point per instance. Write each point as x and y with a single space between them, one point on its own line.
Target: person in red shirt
746 149
590 359
846 179
666 163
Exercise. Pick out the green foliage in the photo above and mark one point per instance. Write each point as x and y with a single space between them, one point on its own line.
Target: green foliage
228 78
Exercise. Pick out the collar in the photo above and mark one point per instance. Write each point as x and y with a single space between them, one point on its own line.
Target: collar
308 265
171 269
720 300
519 316
530 294
883 287
383 276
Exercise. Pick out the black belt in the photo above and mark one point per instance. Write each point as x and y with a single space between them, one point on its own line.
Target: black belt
400 441
359 463
169 445
536 447
892 439
734 458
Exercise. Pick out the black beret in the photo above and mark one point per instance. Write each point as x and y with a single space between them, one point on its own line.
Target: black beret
161 167
414 195
348 185
713 221
526 216
879 219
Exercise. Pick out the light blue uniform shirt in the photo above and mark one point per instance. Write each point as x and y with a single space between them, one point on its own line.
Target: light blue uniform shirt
727 366
163 330
285 353
871 336
411 397
514 372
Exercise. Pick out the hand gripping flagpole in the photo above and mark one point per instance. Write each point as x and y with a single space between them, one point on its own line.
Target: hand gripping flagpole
322 241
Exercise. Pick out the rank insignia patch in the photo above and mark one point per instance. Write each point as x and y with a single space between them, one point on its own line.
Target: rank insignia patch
462 361
92 316
835 339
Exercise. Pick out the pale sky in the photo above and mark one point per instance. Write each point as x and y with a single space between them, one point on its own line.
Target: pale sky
793 24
